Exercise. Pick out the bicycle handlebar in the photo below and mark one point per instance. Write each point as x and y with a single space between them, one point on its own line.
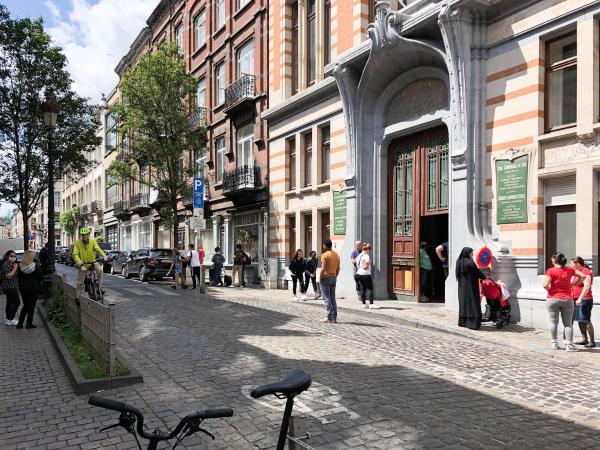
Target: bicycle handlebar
127 409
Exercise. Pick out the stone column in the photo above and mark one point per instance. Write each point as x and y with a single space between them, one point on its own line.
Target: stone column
226 239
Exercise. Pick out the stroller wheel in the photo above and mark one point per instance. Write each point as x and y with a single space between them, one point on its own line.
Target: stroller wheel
499 324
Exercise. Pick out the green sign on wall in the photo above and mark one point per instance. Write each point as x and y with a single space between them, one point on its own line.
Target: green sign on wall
511 190
339 213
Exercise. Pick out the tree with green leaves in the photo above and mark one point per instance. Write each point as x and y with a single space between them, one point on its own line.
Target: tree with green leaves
160 118
31 65
69 219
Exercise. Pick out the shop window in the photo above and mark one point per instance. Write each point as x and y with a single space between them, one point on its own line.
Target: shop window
247 232
403 172
181 239
437 175
561 82
325 230
325 154
291 145
308 156
112 236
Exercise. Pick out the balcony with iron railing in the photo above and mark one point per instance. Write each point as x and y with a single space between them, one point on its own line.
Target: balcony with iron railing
240 180
239 92
197 118
85 209
96 206
121 209
140 202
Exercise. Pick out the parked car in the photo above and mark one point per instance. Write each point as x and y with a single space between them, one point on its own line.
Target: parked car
119 262
62 255
69 256
107 266
58 252
148 263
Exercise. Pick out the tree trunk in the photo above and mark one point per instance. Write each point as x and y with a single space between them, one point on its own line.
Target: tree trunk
25 232
175 225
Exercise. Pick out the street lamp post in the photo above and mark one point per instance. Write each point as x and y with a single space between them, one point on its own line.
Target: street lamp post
50 112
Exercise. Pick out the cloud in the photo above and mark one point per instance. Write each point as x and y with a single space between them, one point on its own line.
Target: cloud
95 37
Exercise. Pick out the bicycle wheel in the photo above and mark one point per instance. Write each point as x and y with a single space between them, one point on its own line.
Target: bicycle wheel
94 290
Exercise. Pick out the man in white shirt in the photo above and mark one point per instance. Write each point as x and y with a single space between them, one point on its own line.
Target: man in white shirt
195 260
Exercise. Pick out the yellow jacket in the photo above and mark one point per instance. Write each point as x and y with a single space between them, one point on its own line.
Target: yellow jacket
86 253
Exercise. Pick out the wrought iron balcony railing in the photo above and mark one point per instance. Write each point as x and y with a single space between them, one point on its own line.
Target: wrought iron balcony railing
85 209
95 206
241 179
198 118
244 88
140 202
121 208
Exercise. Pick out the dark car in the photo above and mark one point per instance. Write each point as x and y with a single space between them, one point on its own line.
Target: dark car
58 252
108 265
118 263
148 263
68 260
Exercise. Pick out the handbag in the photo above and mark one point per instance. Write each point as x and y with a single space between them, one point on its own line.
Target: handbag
245 259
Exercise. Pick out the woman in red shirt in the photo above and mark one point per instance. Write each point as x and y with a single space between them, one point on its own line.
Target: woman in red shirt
560 298
583 307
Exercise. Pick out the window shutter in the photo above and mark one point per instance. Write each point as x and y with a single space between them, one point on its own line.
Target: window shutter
559 191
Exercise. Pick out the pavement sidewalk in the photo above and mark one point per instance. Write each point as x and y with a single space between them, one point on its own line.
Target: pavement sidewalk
435 316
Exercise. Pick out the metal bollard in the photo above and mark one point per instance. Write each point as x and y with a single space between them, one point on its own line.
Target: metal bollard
296 433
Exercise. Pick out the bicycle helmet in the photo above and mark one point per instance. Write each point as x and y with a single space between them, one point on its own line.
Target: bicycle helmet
84 230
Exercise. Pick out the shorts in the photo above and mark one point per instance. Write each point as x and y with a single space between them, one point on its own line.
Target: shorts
583 312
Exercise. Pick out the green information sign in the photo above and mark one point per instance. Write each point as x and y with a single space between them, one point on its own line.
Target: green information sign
511 190
339 213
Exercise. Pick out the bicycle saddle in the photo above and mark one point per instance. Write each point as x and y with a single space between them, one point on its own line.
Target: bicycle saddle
296 382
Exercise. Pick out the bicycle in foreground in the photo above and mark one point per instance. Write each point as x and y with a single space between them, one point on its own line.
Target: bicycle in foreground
132 419
91 283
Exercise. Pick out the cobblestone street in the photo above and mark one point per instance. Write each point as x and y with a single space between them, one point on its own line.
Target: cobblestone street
375 384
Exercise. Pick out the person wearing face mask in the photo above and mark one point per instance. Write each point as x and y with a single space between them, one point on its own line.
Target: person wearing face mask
30 278
8 275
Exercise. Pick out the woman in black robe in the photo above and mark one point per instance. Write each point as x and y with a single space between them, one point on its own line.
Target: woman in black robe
469 300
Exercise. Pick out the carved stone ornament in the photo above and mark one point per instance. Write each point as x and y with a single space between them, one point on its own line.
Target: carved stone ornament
419 98
574 152
459 161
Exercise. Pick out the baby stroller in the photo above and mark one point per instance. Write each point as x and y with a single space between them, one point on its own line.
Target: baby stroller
497 309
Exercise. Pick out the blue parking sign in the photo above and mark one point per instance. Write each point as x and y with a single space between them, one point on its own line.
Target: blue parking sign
198 192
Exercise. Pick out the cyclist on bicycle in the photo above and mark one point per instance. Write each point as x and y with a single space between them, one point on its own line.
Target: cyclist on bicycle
84 254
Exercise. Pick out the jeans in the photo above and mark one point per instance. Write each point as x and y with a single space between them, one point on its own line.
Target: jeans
240 271
215 275
295 280
195 274
424 275
357 286
328 292
366 288
29 301
307 280
564 308
81 276
12 303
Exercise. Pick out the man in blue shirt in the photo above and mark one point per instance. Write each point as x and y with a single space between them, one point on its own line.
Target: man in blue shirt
353 256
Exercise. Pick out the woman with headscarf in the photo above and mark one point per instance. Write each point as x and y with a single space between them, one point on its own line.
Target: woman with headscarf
469 300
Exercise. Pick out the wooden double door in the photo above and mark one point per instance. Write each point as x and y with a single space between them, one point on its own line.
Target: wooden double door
419 191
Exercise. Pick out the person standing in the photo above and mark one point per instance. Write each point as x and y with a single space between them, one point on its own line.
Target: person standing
425 268
177 269
30 278
218 260
469 300
559 302
44 257
330 269
195 262
358 245
297 269
442 253
364 276
240 259
583 307
8 275
312 262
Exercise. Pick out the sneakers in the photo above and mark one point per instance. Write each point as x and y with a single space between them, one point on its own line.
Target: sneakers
294 298
15 321
555 346
365 306
303 297
372 306
173 287
571 348
590 345
8 323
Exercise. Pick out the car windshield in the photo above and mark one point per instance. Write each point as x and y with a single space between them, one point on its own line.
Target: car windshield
161 253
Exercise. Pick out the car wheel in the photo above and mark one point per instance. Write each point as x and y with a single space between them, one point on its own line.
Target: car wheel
142 273
126 273
112 270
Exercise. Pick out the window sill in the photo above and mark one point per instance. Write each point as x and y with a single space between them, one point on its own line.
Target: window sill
218 107
325 186
219 31
562 133
198 50
241 10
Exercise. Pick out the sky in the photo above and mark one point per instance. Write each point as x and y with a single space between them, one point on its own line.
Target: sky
95 35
